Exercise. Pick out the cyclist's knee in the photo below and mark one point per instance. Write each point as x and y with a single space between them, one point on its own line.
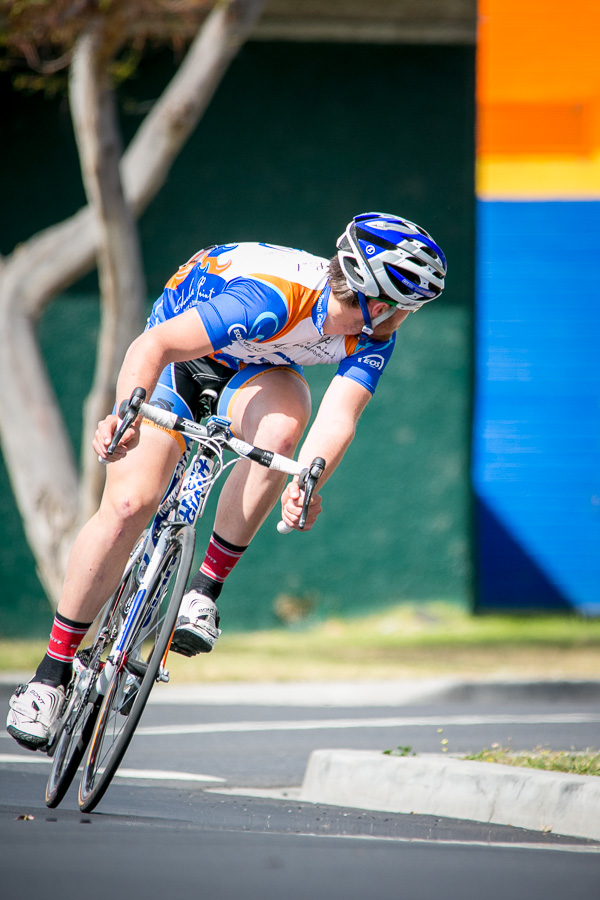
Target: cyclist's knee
128 510
273 411
282 432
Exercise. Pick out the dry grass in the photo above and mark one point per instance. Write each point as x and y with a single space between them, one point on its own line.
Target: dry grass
411 642
571 762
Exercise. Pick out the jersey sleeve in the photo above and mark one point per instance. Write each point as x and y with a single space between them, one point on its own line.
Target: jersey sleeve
367 362
248 309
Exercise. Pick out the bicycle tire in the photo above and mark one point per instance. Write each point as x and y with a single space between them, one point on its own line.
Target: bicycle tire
70 750
126 695
77 725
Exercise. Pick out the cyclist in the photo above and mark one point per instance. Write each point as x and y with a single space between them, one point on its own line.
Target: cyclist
231 333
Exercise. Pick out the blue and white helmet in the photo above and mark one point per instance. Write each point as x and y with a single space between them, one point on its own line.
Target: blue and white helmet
389 257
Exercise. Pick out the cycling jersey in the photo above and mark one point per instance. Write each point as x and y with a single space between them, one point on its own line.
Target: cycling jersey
264 304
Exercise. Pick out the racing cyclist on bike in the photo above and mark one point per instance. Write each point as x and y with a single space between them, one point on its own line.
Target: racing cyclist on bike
230 334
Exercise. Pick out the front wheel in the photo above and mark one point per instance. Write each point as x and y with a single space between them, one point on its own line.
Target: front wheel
83 702
71 744
137 670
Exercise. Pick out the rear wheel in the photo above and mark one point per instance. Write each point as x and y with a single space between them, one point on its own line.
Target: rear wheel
137 670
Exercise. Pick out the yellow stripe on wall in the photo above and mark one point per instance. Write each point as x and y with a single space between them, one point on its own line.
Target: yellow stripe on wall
538 178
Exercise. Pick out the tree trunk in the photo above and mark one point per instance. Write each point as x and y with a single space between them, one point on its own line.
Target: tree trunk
36 448
120 270
34 439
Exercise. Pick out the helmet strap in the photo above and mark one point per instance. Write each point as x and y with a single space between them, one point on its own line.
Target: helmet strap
384 315
368 326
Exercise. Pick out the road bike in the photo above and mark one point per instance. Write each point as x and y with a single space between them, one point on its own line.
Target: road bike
113 677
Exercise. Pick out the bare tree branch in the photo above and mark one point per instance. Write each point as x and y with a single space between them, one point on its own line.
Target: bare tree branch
36 449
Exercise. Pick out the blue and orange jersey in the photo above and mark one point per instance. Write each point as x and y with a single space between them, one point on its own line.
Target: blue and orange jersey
261 303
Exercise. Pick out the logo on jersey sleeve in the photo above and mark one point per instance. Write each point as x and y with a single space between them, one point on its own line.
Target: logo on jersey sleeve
238 332
373 360
265 326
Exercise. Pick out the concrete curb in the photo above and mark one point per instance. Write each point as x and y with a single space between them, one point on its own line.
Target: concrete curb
459 789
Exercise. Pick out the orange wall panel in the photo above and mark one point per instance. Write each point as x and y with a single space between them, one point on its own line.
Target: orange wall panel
538 50
534 128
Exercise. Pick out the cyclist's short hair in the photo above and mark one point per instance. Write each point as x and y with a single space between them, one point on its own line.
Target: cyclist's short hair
339 285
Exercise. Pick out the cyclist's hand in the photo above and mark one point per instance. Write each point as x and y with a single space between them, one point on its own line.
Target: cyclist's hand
291 506
103 437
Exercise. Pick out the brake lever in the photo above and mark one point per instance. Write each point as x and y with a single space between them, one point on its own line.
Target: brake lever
308 480
128 413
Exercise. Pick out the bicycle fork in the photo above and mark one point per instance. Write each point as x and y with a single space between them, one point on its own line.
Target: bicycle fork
119 658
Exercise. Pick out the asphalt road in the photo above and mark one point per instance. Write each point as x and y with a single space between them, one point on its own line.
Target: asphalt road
175 820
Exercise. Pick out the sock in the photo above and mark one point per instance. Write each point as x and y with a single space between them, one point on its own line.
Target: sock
65 638
221 557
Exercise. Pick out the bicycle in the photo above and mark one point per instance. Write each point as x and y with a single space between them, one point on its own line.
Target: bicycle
113 677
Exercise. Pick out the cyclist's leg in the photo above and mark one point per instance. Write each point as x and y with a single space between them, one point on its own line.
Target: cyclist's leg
270 407
272 411
134 488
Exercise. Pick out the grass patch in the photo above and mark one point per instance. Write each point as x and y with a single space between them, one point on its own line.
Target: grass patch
572 762
409 641
20 655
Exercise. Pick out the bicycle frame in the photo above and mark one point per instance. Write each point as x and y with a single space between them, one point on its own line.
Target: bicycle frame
183 503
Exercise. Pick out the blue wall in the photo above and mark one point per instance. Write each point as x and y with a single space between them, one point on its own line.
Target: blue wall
536 450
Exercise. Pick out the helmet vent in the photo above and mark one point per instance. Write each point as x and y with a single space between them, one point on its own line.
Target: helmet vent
377 240
409 283
396 275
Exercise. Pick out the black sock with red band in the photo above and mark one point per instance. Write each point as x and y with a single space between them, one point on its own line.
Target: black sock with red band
66 636
221 556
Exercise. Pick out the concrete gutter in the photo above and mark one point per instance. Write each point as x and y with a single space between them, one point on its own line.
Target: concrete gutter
462 789
388 693
349 694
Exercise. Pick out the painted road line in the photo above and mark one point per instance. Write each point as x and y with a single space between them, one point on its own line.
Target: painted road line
160 775
15 758
145 774
451 844
390 722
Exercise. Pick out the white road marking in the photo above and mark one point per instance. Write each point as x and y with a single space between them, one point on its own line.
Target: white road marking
16 758
489 845
391 722
160 775
146 774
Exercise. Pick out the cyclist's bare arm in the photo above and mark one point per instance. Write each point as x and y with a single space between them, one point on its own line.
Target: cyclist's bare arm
330 436
180 338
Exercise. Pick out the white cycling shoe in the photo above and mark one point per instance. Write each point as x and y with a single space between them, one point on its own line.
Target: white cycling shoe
35 710
197 629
